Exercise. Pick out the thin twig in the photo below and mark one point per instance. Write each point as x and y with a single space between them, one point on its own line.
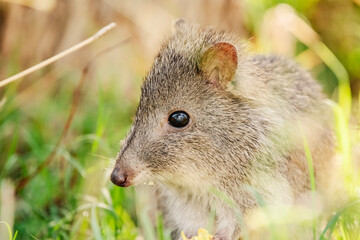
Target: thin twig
74 104
58 56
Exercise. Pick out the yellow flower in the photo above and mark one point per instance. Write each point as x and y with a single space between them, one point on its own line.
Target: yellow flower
202 235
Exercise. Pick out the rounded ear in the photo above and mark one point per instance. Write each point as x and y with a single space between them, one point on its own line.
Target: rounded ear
179 26
219 63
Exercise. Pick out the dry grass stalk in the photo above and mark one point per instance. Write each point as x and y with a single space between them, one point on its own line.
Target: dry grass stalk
7 207
58 56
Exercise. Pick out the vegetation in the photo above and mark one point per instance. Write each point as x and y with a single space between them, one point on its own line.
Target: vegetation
60 129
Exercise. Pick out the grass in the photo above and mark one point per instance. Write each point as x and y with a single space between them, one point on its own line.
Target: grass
71 198
11 237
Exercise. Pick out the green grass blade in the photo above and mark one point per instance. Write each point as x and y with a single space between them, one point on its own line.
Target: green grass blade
9 229
330 226
95 224
15 235
310 163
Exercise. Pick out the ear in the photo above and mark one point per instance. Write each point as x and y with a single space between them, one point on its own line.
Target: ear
219 64
179 26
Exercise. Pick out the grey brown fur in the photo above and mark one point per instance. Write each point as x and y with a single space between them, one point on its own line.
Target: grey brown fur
243 139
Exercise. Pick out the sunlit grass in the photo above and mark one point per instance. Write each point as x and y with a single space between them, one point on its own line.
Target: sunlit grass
11 237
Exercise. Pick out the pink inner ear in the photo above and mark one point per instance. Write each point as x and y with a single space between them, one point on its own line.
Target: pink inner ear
219 63
228 51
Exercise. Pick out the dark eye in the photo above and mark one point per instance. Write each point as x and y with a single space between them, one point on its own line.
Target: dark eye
179 119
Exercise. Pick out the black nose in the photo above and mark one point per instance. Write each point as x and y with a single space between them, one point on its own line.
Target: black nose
119 178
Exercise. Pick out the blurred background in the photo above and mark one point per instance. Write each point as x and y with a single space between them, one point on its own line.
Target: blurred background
59 189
